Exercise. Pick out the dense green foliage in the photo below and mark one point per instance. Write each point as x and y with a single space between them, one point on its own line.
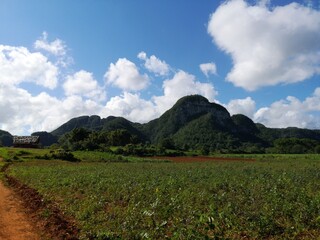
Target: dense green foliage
83 139
227 200
296 145
186 109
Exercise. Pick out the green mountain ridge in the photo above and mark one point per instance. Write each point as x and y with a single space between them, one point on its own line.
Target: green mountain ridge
193 122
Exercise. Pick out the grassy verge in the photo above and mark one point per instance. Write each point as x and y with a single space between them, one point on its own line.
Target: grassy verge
267 199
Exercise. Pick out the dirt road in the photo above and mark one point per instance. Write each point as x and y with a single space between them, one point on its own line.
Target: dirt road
14 223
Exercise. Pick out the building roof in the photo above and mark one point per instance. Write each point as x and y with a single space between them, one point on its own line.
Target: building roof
26 139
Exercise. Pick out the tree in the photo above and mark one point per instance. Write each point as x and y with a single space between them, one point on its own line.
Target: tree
295 145
79 134
166 143
119 137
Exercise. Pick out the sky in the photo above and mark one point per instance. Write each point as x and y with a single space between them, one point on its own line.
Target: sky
63 59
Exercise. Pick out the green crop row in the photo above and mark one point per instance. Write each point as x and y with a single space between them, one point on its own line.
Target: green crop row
222 200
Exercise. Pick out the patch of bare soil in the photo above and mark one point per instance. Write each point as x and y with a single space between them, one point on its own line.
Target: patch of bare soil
14 221
53 223
24 215
185 159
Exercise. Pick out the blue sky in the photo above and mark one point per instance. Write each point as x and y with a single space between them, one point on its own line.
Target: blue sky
62 59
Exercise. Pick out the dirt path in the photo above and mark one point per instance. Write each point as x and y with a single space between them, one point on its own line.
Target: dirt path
14 224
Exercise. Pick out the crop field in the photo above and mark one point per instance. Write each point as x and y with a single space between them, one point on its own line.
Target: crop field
273 197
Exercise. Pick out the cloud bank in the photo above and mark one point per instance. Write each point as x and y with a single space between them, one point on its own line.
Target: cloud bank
79 92
292 112
18 64
268 46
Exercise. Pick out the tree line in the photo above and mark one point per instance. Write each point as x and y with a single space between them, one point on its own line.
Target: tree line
126 143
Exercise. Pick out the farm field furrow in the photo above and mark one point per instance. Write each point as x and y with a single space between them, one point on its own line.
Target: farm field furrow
265 199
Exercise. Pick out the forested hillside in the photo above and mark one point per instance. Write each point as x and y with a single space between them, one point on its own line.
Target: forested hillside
193 123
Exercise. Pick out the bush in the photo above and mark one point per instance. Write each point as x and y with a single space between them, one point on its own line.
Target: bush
59 154
64 155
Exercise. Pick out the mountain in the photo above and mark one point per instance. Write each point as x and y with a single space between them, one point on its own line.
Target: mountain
186 110
194 122
6 138
271 134
94 123
46 139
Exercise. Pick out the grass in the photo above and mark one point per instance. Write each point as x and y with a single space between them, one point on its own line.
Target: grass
276 197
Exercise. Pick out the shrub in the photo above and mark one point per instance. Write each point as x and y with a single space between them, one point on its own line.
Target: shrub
64 155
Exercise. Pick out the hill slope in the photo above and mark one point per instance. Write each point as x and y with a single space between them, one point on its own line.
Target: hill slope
194 122
187 109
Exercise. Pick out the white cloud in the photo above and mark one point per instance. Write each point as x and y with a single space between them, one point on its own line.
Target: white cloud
268 46
125 75
83 83
132 107
18 64
292 112
154 64
245 106
264 2
208 68
23 113
180 85
56 47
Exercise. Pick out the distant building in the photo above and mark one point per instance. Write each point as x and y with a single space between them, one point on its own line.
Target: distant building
26 141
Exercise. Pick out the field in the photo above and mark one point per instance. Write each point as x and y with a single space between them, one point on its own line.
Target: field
273 197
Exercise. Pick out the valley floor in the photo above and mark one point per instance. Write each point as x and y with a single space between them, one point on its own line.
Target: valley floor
108 197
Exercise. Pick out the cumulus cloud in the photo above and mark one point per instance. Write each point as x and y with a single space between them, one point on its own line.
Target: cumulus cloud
56 47
268 46
132 107
246 106
23 113
180 85
18 64
83 83
125 75
291 112
208 68
154 64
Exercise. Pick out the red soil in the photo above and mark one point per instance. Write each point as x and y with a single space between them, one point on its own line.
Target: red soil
15 224
22 212
184 159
